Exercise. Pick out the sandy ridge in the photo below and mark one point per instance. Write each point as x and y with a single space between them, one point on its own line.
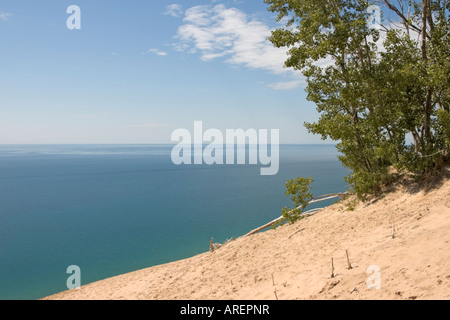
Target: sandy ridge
294 261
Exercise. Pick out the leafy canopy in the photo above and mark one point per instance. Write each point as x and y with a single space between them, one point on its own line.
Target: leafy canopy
382 91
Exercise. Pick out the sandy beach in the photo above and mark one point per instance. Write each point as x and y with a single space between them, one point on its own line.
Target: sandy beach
398 247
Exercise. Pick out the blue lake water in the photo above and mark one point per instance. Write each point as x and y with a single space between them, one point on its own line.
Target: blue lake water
112 209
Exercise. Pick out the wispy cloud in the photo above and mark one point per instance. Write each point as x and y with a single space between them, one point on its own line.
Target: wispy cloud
157 52
5 16
217 32
174 10
286 85
229 33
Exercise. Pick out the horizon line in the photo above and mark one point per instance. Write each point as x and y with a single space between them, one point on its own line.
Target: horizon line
140 144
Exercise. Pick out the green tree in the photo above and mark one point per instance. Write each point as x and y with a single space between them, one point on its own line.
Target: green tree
369 99
421 81
300 191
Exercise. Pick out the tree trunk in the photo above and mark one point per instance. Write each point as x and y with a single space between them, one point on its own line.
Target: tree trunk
424 29
426 129
362 147
416 140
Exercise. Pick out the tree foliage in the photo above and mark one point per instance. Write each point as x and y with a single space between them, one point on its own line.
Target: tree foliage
382 91
300 191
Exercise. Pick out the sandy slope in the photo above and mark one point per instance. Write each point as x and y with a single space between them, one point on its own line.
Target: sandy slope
294 261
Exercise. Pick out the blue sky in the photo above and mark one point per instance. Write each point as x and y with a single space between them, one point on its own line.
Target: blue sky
138 70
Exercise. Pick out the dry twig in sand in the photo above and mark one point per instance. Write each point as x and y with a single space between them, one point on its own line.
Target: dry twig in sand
348 261
332 268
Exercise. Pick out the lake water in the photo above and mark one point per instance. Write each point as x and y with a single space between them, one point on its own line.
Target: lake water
112 209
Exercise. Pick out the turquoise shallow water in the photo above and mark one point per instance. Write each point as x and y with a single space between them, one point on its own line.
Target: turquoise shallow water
112 209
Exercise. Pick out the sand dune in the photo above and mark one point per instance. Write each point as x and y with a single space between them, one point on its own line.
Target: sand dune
294 261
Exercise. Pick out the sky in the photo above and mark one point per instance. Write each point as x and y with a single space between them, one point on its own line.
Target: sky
138 70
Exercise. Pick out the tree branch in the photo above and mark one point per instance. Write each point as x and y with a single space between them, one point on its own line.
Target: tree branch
400 14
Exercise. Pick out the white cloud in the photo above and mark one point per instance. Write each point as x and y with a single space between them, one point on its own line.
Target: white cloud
174 10
286 85
228 33
218 32
5 16
157 52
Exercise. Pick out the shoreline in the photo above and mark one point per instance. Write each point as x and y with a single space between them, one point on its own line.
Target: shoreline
404 233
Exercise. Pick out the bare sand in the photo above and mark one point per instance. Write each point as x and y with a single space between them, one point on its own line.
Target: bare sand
405 233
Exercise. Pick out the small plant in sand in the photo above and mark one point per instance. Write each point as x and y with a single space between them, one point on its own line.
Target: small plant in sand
300 190
352 203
